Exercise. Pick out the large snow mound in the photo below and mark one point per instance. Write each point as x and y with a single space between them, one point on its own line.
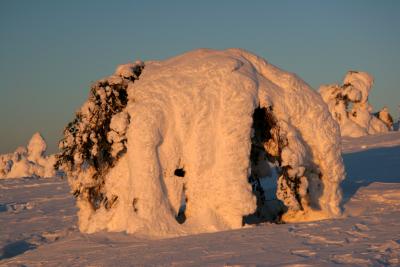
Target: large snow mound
355 120
28 161
186 152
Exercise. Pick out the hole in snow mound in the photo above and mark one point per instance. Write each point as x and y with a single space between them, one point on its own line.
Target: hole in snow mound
181 217
264 173
134 205
179 172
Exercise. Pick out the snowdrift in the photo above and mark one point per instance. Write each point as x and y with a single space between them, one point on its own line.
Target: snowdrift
349 106
175 147
28 161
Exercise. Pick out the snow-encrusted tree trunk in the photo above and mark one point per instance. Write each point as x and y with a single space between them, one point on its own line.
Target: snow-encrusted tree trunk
186 149
355 120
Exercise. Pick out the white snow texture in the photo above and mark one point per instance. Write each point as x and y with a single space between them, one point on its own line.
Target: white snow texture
194 112
355 90
28 161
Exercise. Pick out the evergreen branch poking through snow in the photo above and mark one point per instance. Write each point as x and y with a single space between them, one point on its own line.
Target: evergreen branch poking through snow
95 140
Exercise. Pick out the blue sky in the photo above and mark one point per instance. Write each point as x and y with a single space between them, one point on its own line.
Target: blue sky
50 51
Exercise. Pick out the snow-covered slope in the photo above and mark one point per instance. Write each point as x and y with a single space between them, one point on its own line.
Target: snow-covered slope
190 134
38 218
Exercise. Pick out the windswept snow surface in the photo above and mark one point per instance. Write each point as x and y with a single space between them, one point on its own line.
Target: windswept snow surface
38 226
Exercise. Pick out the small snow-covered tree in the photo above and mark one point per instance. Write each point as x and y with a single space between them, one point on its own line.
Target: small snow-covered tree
36 147
349 105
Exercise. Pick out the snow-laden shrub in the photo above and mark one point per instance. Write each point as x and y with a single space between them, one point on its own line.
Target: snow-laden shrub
28 161
198 135
95 139
349 105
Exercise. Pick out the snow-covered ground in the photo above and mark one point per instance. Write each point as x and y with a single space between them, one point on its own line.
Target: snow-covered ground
38 226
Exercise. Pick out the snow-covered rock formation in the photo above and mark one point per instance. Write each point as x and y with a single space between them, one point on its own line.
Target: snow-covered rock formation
28 161
349 105
179 146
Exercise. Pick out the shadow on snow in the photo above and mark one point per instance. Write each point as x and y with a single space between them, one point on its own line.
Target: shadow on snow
15 248
369 166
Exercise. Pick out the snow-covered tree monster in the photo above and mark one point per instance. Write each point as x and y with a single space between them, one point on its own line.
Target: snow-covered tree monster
349 105
194 133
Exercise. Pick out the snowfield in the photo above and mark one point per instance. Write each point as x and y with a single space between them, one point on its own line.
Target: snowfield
38 226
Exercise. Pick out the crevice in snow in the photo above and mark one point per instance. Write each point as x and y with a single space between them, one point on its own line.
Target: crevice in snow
278 155
134 205
110 202
264 153
181 216
180 172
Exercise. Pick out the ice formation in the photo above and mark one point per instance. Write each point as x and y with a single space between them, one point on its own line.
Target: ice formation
175 147
349 105
28 161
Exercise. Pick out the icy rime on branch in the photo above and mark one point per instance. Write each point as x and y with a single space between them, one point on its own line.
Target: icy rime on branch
95 139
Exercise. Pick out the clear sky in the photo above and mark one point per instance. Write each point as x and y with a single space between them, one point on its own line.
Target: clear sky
50 51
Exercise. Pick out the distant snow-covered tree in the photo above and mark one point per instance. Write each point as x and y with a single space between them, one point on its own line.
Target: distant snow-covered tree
348 104
28 161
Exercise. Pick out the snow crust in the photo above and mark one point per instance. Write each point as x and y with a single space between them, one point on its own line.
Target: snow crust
194 113
357 120
28 161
